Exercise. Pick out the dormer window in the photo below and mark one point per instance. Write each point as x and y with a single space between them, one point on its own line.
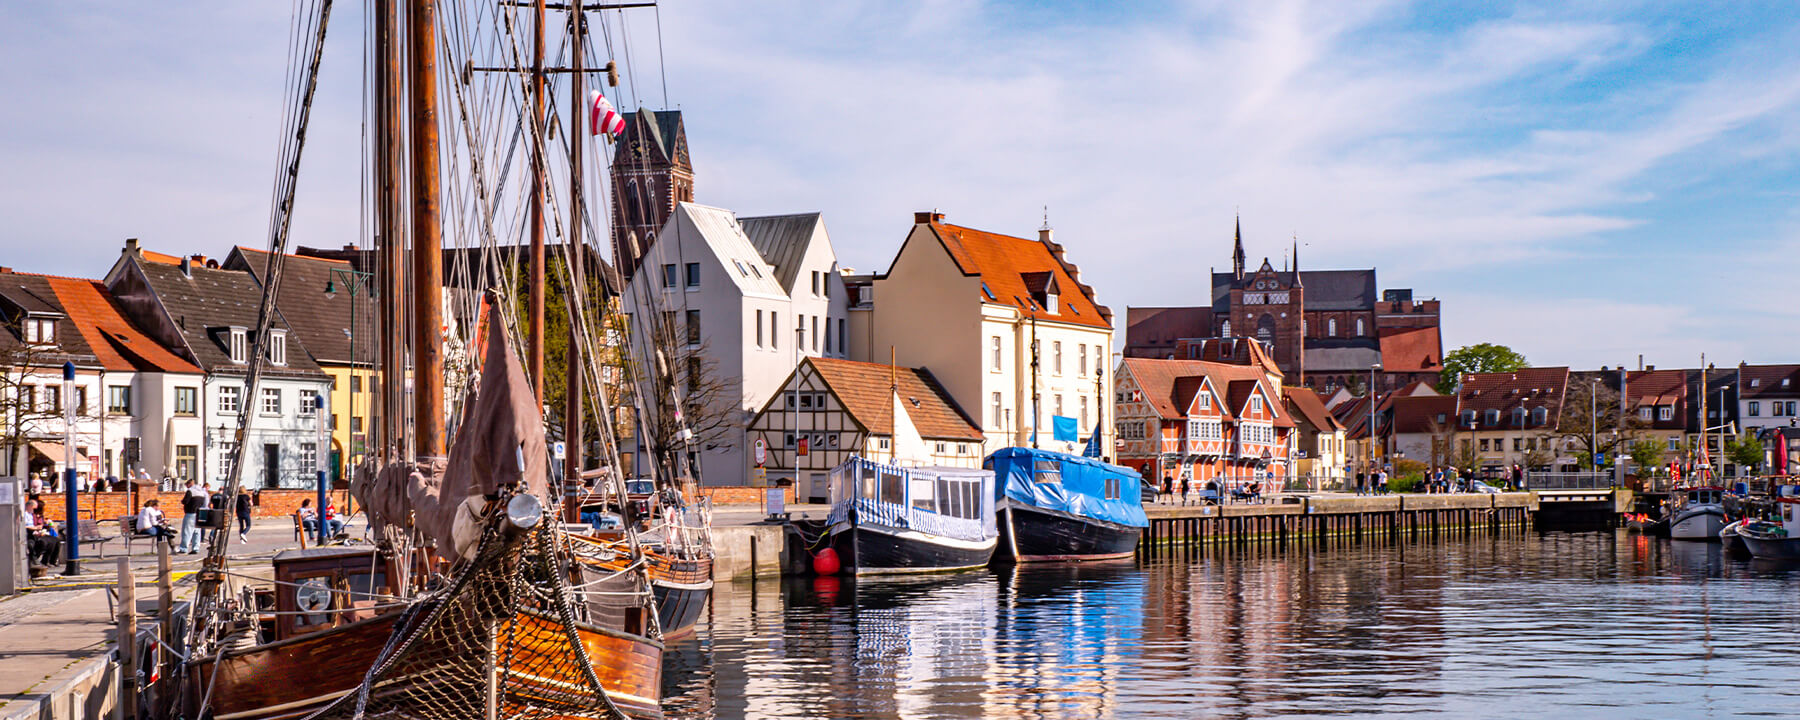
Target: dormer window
1468 418
1539 416
278 347
1493 417
40 331
234 344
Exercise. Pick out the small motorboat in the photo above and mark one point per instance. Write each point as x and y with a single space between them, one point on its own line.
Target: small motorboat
1771 540
1733 543
1698 514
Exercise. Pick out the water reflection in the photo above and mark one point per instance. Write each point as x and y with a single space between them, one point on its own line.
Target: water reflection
1607 625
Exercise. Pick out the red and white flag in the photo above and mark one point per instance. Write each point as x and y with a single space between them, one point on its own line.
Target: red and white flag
605 118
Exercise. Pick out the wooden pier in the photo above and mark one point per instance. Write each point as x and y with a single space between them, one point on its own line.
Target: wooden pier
1325 519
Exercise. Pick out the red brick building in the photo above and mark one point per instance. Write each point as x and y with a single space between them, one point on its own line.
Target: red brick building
1202 420
1323 328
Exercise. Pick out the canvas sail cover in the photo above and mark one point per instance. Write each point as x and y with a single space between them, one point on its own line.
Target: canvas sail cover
1073 484
499 443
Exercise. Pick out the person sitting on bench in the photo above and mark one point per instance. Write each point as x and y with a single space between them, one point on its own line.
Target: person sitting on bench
43 544
309 520
150 522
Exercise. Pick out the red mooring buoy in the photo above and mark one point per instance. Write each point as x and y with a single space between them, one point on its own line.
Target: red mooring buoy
826 562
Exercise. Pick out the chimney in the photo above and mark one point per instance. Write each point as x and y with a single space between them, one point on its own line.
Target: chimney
923 217
1044 234
131 246
187 266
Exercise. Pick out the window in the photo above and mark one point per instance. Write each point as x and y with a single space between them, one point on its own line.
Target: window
1056 356
800 333
1644 412
1084 417
1359 327
356 423
1081 359
1493 417
827 336
1225 329
1518 444
1204 400
1046 471
693 327
278 347
693 374
1331 327
309 456
187 462
1774 409
1255 404
228 398
940 446
1059 405
40 331
53 399
843 349
1674 444
187 400
815 333
774 330
81 400
234 344
996 344
1484 444
998 419
1539 416
693 275
309 402
1665 412
271 401
1755 408
759 339
818 283
669 275
740 267
118 399
355 384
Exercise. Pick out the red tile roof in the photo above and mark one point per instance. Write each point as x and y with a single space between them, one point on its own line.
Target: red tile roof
1411 350
1003 262
1419 414
1770 381
865 389
1302 402
1528 388
113 339
1169 385
1152 331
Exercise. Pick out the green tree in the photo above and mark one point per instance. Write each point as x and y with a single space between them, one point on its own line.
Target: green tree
1746 451
1646 455
1478 358
1592 420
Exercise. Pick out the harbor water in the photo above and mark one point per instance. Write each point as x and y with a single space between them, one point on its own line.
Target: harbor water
1588 625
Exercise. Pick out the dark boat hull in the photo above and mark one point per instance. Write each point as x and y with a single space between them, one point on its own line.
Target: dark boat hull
1029 534
873 549
1733 544
682 589
1773 548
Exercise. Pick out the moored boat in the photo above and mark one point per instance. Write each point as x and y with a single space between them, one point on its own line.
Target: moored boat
1698 514
1058 506
1775 540
893 519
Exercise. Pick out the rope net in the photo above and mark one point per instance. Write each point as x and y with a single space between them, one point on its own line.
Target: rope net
504 638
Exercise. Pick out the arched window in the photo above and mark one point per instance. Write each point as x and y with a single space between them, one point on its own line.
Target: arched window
1265 329
1225 329
1538 416
1360 331
634 205
1331 327
1518 417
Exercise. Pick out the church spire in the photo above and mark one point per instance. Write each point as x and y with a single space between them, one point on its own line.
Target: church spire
1295 280
1237 252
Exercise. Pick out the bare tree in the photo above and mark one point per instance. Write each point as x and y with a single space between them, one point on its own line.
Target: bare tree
682 390
1592 420
25 406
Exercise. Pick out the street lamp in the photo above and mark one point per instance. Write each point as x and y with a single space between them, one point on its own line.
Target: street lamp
1593 424
70 494
1371 394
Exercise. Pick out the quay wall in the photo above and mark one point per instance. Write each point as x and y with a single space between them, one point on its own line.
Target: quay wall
1326 518
88 689
741 552
110 506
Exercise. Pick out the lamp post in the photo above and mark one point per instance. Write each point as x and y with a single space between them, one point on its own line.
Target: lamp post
357 282
1372 395
71 526
1721 428
1593 424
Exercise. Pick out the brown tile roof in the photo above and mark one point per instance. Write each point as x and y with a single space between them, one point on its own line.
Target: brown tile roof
1770 381
1003 262
1152 331
1419 414
1302 402
1240 391
1529 388
200 305
320 321
115 342
864 389
1411 350
1169 385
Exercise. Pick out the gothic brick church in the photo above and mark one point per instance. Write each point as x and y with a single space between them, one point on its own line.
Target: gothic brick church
650 175
1325 329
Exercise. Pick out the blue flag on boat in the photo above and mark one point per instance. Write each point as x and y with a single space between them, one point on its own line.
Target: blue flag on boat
1063 429
1093 445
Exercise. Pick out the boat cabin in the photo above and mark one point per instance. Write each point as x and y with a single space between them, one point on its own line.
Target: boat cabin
320 588
1708 495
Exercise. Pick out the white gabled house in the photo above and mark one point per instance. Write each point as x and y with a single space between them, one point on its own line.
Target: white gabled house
750 298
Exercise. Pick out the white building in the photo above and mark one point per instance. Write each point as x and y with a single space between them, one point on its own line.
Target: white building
750 298
135 402
968 305
206 316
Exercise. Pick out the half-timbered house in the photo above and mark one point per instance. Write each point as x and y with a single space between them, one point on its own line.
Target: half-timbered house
831 409
1199 421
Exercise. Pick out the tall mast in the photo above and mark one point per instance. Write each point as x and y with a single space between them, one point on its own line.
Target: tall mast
534 343
572 430
390 265
427 259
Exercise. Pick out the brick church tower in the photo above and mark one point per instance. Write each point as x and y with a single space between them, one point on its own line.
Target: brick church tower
650 174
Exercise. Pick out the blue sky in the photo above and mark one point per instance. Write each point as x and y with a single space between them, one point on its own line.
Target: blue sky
1584 184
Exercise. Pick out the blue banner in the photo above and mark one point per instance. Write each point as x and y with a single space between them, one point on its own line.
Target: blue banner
1093 445
1064 429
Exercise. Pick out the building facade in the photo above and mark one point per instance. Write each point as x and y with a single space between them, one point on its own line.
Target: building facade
1325 329
1005 325
650 176
1200 421
205 315
1511 419
742 303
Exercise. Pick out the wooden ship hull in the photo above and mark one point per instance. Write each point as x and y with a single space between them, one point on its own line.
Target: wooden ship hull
682 587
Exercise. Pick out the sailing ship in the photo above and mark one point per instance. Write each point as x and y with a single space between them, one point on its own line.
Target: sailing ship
478 598
893 519
1058 506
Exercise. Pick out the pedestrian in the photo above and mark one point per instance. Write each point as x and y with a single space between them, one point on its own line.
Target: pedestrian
192 501
243 515
1168 487
1184 490
217 519
1361 480
1381 482
37 485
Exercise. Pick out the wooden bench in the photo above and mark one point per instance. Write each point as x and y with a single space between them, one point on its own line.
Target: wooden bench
88 533
128 530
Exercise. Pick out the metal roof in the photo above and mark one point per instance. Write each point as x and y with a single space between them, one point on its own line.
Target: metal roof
782 240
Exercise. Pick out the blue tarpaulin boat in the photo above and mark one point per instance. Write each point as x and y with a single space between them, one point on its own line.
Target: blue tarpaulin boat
1057 506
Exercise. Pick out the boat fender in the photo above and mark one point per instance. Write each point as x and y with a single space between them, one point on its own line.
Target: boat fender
825 562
